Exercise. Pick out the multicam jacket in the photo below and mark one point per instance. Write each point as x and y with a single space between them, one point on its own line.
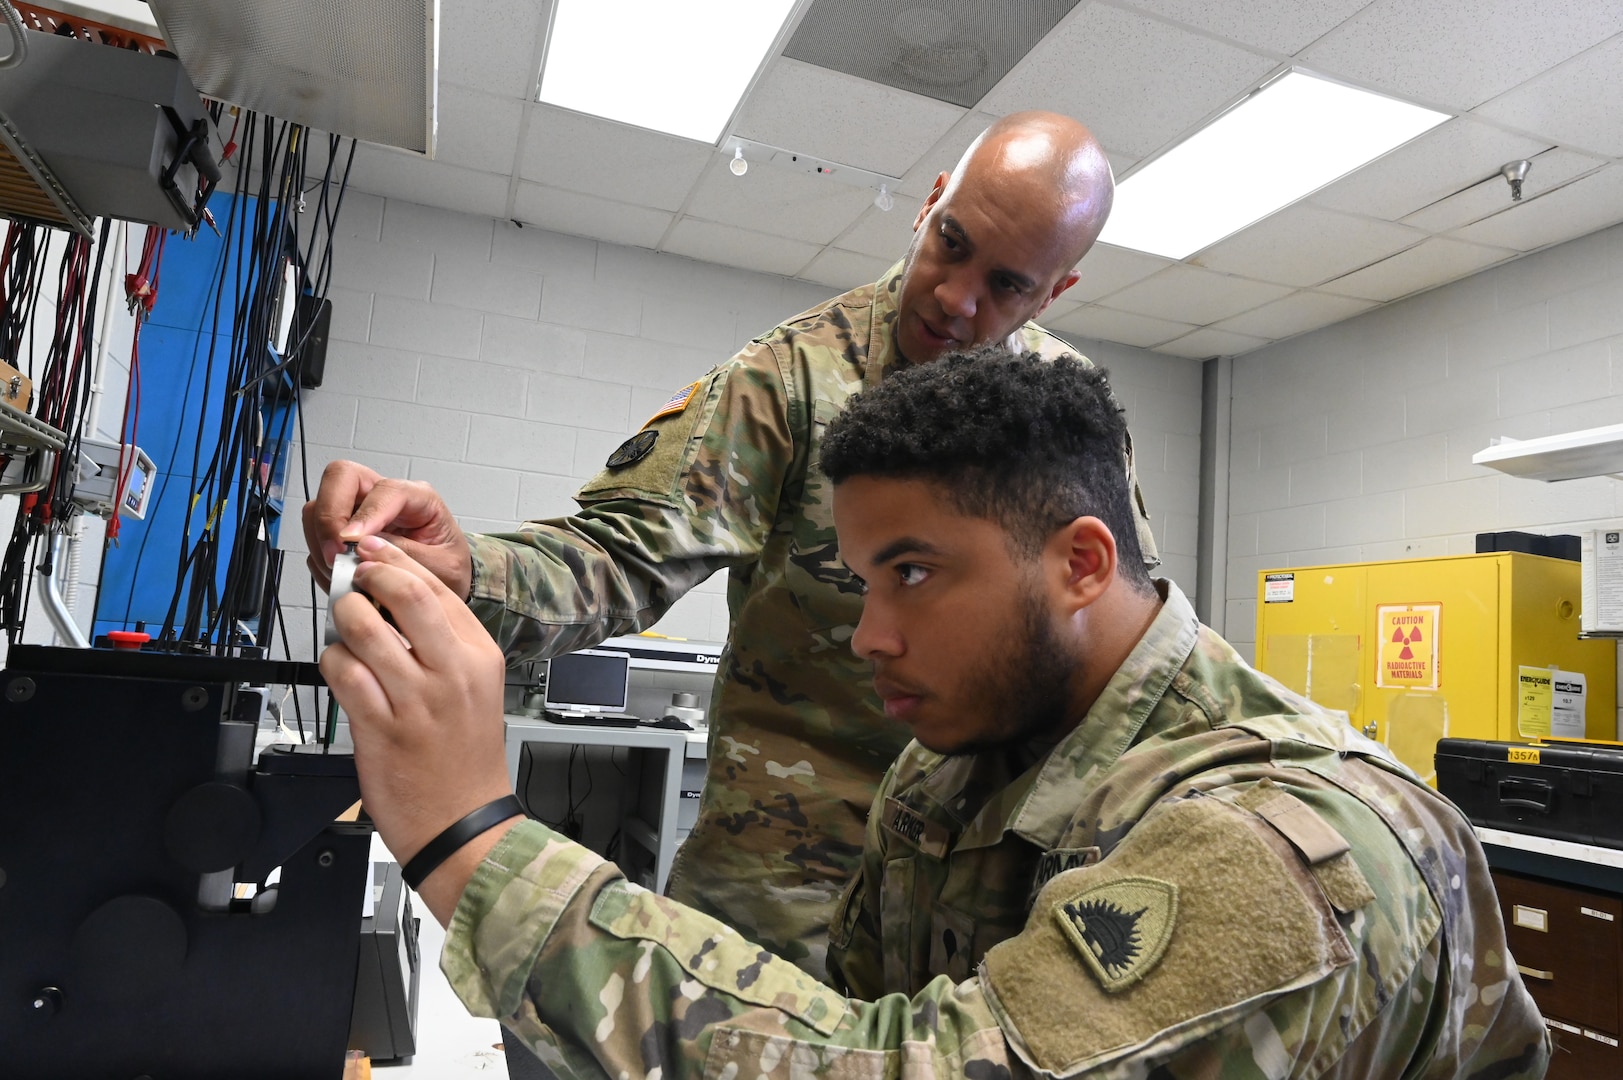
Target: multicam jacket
727 476
1209 877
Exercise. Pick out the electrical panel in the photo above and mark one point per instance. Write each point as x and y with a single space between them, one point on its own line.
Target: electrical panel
91 131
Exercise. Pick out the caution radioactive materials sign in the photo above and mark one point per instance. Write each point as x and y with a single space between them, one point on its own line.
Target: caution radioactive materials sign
1407 634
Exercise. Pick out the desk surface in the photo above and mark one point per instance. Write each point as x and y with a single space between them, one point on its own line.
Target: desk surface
1544 845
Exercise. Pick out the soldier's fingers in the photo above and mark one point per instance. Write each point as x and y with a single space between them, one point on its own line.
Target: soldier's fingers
397 553
421 609
395 506
380 650
364 698
344 484
320 572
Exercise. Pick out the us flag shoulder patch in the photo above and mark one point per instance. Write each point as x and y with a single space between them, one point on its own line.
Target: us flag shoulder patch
676 403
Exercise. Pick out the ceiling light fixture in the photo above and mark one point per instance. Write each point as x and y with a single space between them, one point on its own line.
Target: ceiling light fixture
746 152
1515 173
676 68
1286 140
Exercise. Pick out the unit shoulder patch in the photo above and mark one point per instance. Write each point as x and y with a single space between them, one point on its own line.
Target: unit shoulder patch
633 449
1120 928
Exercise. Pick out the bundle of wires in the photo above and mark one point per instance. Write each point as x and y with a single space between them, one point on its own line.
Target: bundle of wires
231 474
62 382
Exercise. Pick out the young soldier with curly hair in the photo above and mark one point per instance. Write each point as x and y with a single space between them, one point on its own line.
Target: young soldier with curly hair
1113 848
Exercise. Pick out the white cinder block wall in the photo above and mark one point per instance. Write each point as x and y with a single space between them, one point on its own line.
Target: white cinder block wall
1162 397
503 365
1354 442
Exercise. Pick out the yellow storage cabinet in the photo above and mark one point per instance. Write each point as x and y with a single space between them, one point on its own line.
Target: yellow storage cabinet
1418 649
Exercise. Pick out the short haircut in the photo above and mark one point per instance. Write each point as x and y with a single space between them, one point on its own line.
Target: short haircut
1029 443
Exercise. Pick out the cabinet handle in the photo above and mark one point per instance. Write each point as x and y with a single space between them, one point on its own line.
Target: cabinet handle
1536 973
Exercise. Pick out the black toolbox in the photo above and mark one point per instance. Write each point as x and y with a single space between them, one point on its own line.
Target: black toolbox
1564 790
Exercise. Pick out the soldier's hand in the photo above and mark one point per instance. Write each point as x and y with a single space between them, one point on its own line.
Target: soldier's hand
354 502
424 707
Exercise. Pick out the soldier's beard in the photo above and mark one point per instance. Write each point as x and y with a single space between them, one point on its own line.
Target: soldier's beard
1022 693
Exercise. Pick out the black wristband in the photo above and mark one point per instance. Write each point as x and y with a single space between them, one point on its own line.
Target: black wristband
452 840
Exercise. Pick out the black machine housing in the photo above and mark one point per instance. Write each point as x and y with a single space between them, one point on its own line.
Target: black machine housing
130 810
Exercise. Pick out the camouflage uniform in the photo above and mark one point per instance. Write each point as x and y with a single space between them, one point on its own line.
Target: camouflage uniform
1209 877
729 479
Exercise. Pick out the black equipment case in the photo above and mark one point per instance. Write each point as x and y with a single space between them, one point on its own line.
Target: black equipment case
1564 790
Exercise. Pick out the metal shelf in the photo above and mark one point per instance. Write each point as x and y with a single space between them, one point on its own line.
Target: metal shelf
1573 455
32 446
23 432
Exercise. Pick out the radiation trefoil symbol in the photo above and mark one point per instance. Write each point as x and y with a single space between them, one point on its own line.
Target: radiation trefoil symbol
1399 637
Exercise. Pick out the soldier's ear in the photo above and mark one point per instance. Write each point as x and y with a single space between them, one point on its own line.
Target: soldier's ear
1060 286
1083 556
930 200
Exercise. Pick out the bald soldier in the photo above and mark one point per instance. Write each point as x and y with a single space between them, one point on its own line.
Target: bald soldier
1114 849
726 476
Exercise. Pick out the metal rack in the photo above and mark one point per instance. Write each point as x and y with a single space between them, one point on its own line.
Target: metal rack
31 441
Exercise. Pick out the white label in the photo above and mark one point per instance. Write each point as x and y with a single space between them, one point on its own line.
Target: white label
1531 917
1598 1037
1278 588
1593 914
1602 581
1559 1026
1567 692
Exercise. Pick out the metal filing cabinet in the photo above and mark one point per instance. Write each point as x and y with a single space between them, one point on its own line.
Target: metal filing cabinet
1419 649
1566 942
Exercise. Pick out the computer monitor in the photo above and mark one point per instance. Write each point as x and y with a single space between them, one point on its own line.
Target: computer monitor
588 682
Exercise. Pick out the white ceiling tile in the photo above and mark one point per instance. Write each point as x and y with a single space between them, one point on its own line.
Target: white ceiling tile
940 158
1106 268
400 174
778 201
843 119
1574 104
1137 82
1124 327
1550 170
569 150
738 247
1431 262
1446 159
586 215
1060 307
1305 244
1207 342
883 234
1191 295
490 45
1583 206
477 131
844 269
1277 25
1460 55
1295 314
1119 162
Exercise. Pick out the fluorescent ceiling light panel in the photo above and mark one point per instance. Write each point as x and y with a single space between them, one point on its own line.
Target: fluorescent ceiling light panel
1287 140
674 67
